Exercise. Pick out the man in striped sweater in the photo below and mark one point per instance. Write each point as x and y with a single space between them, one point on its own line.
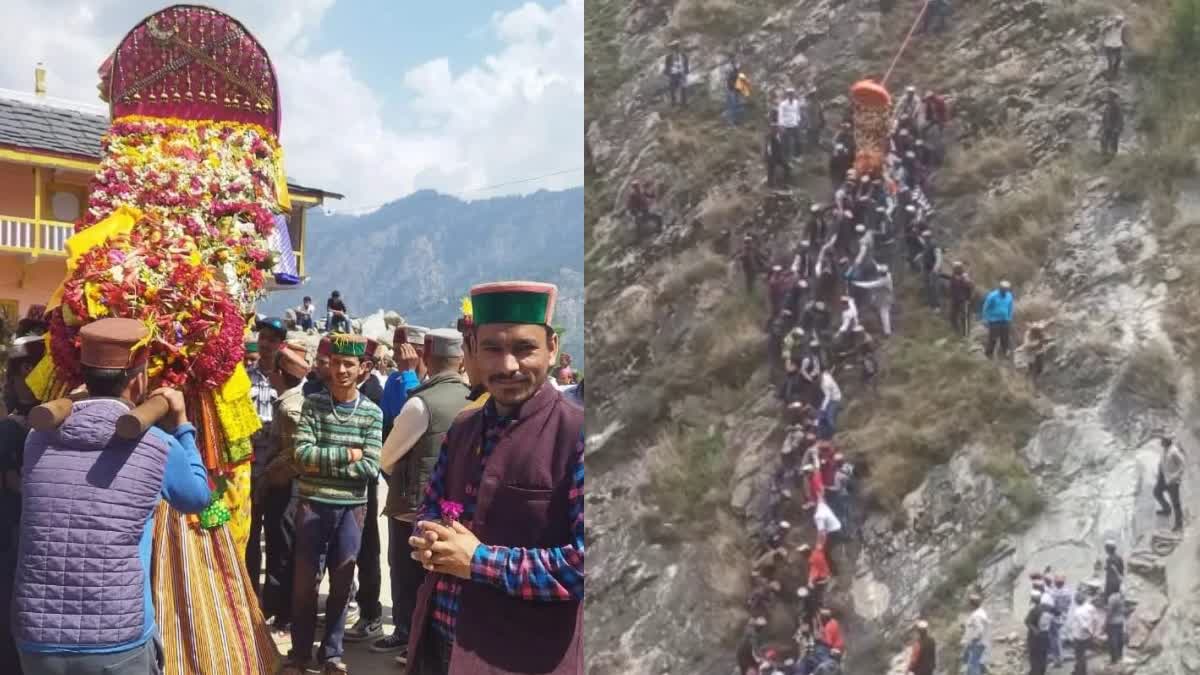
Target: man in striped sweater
337 450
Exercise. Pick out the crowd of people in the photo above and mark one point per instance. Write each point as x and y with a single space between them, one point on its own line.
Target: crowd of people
830 294
332 422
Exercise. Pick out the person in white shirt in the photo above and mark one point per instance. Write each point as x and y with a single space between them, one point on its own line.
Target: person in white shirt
1115 39
830 405
1081 629
304 314
849 318
975 636
790 118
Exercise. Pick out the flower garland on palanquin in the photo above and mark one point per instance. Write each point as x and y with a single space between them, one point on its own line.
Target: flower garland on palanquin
176 235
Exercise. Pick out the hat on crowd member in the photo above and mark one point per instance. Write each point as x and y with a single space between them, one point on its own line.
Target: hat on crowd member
911 208
803 548
825 611
346 344
524 302
820 304
860 228
273 324
926 233
777 268
802 283
760 621
293 360
115 344
865 178
815 342
910 89
815 208
807 468
1110 543
251 344
803 590
883 269
372 345
415 335
324 346
790 90
785 525
922 625
798 332
27 347
1005 285
445 342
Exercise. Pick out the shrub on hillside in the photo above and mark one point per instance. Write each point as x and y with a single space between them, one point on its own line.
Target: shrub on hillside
1151 376
937 397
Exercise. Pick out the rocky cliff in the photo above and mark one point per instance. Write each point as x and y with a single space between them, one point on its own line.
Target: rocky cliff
974 476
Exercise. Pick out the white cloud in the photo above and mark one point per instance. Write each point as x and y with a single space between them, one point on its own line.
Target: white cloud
516 115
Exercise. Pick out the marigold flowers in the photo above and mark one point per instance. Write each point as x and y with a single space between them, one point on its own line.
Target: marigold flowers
191 268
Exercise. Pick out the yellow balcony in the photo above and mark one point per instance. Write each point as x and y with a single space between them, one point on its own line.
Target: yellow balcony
34 237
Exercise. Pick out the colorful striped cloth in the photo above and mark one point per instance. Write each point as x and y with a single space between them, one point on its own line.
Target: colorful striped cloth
207 612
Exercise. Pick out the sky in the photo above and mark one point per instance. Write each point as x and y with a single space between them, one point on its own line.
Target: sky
456 96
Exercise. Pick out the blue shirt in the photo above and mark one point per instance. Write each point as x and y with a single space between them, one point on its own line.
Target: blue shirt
395 395
998 306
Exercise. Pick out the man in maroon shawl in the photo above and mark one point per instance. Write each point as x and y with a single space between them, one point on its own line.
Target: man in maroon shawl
501 529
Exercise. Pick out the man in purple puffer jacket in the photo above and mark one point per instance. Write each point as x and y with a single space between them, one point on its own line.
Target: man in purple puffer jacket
82 602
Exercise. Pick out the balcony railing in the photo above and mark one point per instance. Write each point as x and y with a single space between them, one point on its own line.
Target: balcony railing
25 235
49 237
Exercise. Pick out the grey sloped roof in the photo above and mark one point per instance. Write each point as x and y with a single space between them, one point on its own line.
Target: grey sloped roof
70 132
51 129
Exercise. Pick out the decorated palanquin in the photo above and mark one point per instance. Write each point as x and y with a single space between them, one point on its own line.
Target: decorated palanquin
872 107
177 234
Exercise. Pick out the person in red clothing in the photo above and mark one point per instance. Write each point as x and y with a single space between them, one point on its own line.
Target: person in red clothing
818 569
831 632
923 659
638 205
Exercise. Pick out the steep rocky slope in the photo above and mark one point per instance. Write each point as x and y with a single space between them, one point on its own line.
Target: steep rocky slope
975 477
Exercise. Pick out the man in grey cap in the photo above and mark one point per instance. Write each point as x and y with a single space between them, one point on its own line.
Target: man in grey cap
408 457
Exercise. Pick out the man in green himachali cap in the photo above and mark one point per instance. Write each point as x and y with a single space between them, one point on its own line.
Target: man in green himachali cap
337 452
475 523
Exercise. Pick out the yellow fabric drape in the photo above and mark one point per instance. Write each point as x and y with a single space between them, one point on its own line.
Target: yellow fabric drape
120 221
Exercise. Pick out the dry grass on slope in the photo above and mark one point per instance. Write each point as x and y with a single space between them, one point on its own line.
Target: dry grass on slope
1151 376
934 398
974 168
1011 235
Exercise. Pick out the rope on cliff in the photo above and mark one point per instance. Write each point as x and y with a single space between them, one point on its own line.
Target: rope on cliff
907 38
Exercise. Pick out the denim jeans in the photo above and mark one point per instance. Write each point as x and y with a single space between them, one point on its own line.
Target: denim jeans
827 425
733 106
326 535
1056 644
305 321
341 321
145 659
973 657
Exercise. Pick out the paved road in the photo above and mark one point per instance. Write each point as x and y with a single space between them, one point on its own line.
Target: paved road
359 658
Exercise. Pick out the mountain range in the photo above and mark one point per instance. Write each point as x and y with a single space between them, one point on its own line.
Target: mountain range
421 254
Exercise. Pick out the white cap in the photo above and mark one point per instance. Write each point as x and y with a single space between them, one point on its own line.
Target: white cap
882 268
910 89
815 208
1005 284
922 625
802 591
785 525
